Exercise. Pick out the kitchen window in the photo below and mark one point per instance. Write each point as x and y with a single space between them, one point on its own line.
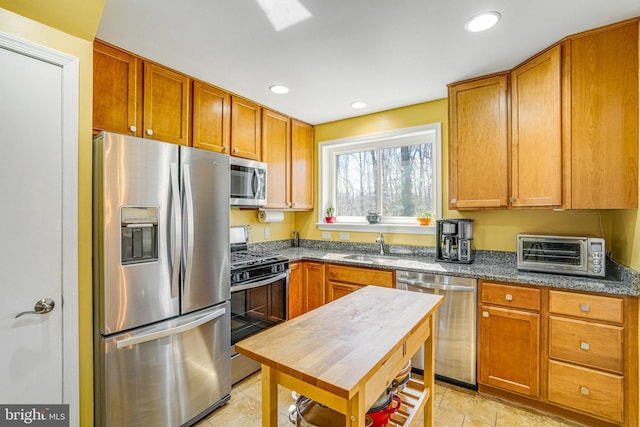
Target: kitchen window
395 173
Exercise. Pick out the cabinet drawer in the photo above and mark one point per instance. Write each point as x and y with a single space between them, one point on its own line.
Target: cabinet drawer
586 390
359 276
586 343
594 307
511 296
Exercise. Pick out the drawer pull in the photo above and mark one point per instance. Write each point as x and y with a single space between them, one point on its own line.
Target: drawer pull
584 307
485 314
584 345
584 390
508 297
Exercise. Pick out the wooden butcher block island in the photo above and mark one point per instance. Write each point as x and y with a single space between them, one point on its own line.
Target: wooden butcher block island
344 354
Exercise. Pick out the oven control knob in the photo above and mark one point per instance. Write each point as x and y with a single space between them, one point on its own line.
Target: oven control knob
245 275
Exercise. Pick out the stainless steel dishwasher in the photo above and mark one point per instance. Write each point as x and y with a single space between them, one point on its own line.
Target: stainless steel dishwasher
454 324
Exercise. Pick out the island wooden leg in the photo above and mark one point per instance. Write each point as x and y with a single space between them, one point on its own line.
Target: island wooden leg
429 374
355 412
269 397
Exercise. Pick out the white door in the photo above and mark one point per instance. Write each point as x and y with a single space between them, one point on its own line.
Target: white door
36 226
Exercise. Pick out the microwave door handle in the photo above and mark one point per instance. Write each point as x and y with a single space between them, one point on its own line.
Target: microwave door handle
255 183
177 215
189 228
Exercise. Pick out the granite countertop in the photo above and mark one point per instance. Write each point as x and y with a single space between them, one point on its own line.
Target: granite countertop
487 265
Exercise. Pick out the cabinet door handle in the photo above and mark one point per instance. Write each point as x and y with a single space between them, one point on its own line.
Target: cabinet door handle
454 200
508 297
584 307
225 148
235 150
133 128
513 200
584 345
149 132
485 314
584 390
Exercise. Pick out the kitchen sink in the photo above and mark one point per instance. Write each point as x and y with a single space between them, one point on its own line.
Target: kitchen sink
370 258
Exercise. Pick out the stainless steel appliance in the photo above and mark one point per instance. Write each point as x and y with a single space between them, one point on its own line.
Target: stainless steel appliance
259 286
248 183
453 240
161 282
582 256
454 325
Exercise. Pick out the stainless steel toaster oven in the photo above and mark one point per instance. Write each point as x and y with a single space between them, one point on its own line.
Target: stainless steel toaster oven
583 256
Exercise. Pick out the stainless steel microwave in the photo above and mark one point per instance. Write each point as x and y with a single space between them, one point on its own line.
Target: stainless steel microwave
582 256
248 183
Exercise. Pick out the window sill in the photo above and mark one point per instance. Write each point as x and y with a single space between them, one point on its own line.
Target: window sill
377 228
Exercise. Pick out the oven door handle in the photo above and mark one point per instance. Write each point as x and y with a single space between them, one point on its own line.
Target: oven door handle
259 283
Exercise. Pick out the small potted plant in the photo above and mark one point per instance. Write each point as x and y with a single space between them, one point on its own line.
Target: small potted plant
424 217
373 217
330 218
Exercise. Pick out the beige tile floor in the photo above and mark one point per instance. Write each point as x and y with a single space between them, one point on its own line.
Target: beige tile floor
454 407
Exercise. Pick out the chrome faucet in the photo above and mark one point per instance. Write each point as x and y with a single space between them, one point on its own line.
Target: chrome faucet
383 248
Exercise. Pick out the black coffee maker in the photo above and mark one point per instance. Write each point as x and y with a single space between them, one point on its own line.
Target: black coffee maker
453 240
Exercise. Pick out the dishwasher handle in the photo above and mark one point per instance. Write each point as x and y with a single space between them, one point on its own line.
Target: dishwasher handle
428 285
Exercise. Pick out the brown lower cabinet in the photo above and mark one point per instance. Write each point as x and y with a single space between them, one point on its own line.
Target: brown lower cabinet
312 283
509 337
571 353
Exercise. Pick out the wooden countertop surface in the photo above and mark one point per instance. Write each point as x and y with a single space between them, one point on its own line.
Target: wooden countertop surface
339 346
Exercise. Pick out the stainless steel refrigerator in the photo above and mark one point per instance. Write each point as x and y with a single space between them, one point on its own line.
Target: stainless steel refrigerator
161 282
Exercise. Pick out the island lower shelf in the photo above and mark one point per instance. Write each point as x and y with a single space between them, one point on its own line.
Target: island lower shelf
413 396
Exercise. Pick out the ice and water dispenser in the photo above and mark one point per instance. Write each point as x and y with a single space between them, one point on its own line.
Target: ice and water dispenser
138 234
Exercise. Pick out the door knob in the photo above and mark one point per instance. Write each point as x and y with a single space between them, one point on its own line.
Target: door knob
43 306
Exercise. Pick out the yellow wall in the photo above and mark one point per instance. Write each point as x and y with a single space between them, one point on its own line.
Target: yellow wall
493 230
277 231
46 36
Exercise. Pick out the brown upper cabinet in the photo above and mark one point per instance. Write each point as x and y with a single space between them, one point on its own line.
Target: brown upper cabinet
166 104
478 143
139 98
604 118
572 139
301 165
117 91
211 118
288 150
276 139
536 131
246 120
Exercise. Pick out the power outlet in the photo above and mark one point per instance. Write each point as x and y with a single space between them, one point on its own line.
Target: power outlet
267 233
326 235
344 236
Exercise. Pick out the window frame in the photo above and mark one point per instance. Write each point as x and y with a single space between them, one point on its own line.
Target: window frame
394 138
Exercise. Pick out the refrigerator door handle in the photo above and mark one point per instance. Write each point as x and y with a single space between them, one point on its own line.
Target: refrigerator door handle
139 339
177 214
189 227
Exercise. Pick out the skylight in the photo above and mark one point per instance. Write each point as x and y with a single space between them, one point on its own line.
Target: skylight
284 13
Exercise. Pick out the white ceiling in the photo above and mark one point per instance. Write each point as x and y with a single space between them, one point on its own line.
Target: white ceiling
388 53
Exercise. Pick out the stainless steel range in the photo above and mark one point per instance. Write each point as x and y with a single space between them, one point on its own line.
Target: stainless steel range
259 285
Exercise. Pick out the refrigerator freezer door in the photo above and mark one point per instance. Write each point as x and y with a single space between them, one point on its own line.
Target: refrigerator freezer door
132 174
205 241
166 374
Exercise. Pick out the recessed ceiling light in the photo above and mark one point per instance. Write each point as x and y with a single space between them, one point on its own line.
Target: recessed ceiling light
358 105
279 89
482 21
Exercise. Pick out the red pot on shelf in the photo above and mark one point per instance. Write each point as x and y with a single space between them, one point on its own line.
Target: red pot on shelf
330 219
381 415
